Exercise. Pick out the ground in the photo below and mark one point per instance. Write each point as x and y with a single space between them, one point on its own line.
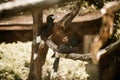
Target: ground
15 60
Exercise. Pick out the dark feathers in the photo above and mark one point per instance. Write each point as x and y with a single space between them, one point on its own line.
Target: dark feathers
47 29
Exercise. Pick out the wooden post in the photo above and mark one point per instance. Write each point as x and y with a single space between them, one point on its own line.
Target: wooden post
37 23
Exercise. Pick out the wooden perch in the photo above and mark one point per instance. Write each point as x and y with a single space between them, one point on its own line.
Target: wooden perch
112 47
109 49
111 7
106 28
75 56
83 57
70 16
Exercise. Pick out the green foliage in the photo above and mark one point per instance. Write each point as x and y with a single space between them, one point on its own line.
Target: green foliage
117 26
8 75
14 62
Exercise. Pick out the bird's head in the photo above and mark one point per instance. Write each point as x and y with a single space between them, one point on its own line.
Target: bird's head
51 18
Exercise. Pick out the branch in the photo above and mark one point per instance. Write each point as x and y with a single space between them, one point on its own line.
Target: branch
70 16
106 28
109 49
77 56
113 47
111 7
74 56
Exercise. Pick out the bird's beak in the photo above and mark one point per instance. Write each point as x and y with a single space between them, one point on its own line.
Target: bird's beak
55 17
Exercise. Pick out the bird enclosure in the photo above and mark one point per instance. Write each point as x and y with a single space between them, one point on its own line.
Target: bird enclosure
75 35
